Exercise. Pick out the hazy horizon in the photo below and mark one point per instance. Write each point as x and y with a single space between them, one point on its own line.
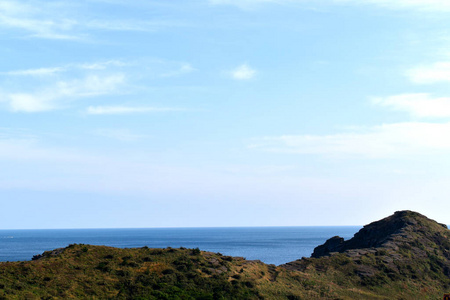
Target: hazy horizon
186 227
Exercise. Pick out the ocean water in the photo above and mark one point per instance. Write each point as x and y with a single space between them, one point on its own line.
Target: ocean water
273 245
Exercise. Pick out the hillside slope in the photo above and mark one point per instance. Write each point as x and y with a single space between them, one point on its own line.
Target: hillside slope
404 256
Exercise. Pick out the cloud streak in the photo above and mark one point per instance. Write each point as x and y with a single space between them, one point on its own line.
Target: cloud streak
36 72
122 110
68 21
52 88
40 20
421 5
41 72
185 68
418 5
428 74
384 141
55 96
418 105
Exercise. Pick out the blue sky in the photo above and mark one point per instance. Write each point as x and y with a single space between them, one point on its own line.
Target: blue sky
222 112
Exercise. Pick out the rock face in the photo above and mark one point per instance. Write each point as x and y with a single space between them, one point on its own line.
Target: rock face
335 244
402 227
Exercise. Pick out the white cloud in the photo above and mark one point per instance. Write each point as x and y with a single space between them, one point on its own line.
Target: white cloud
384 141
91 85
50 88
41 20
101 65
123 135
95 66
419 5
133 25
243 72
422 5
185 68
418 105
36 72
437 72
52 97
68 21
118 110
29 103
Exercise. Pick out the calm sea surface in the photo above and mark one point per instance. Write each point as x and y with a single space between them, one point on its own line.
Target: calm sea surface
274 245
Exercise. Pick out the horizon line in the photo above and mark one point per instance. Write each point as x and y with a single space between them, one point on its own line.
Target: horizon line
185 227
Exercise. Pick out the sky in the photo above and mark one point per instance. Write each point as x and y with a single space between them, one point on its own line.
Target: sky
211 113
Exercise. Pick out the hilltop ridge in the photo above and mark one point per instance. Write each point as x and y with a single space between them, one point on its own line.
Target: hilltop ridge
390 233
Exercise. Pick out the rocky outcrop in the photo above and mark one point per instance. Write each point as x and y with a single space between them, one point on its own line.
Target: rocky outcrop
51 253
335 244
403 250
402 227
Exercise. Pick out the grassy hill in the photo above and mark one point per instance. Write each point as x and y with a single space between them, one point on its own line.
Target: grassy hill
405 256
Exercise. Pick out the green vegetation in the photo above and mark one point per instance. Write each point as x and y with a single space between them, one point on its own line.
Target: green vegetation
411 262
98 272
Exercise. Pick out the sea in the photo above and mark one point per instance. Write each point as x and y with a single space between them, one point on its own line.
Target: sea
272 245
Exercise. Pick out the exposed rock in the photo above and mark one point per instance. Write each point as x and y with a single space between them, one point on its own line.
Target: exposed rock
51 253
332 245
390 233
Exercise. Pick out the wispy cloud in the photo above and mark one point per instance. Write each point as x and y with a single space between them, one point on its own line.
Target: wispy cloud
101 65
91 85
420 5
243 72
68 21
57 87
119 110
418 105
22 102
185 68
433 73
54 96
40 20
36 72
133 25
384 141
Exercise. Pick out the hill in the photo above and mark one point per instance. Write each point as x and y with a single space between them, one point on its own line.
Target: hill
404 256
